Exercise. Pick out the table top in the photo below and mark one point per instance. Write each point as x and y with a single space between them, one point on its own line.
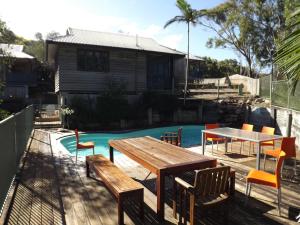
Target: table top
242 134
157 155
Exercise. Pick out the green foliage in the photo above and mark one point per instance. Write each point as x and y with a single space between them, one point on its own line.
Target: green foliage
163 103
6 35
111 108
248 27
212 68
82 111
35 48
288 54
4 114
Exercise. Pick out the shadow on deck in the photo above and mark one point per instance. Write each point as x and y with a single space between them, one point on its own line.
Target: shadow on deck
53 190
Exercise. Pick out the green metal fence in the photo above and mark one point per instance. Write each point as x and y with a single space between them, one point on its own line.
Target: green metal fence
15 132
264 86
280 93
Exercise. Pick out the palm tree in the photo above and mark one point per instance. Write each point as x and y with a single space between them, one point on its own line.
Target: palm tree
188 16
288 54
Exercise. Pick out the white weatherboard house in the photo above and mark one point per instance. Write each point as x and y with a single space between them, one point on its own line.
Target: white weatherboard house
85 61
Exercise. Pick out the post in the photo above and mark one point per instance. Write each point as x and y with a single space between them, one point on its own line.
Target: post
289 125
258 156
218 89
203 142
271 77
274 117
160 186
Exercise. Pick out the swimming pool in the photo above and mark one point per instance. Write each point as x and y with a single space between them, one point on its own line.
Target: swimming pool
191 136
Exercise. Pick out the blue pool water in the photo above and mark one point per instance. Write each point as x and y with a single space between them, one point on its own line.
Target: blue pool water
191 136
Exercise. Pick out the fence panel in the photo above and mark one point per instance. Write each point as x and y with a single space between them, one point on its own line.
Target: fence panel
264 86
294 99
280 93
14 134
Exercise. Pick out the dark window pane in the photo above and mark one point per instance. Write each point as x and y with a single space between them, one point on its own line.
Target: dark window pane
91 60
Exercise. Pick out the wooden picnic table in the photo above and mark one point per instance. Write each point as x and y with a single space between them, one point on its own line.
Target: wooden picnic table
162 159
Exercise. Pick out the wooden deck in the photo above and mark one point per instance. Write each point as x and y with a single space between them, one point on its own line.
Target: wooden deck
53 190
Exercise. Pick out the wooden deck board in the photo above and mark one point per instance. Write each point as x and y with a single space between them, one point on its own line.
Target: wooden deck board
39 194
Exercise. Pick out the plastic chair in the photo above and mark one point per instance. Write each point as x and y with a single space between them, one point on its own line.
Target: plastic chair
267 179
265 130
212 137
83 145
288 146
246 127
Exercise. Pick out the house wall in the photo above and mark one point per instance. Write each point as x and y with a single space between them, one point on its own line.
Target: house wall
125 66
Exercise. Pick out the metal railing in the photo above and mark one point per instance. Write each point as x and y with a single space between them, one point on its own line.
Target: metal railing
15 132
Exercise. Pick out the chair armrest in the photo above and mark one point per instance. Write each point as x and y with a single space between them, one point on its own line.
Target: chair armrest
184 184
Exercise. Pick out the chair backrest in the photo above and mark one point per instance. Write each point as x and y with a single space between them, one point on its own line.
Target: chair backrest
248 127
288 146
77 136
173 138
268 130
211 126
280 159
212 181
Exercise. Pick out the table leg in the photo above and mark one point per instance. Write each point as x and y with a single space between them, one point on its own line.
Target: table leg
258 156
160 191
111 153
226 145
203 143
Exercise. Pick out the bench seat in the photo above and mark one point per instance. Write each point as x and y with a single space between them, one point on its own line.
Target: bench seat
117 182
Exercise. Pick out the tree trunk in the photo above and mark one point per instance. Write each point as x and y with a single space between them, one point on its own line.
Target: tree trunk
249 67
187 65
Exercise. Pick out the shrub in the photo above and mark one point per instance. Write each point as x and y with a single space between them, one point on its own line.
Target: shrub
3 114
163 103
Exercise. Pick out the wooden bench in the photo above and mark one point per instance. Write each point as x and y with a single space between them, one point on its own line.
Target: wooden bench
117 182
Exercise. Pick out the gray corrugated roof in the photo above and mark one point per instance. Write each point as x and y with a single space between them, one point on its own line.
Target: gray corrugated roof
14 51
118 40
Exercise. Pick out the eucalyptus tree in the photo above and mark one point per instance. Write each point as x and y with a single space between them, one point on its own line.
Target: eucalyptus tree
190 17
288 54
248 27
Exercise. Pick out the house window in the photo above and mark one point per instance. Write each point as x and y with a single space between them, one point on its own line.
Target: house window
91 60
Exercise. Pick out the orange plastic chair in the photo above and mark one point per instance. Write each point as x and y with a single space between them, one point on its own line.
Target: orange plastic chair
247 127
265 130
212 137
267 179
83 145
288 146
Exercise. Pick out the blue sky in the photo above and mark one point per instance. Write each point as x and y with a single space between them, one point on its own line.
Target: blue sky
142 17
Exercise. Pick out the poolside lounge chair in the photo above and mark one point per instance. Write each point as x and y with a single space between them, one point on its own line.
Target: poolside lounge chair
267 179
83 145
212 188
288 146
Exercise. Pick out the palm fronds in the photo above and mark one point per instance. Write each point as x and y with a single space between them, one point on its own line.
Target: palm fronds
288 54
